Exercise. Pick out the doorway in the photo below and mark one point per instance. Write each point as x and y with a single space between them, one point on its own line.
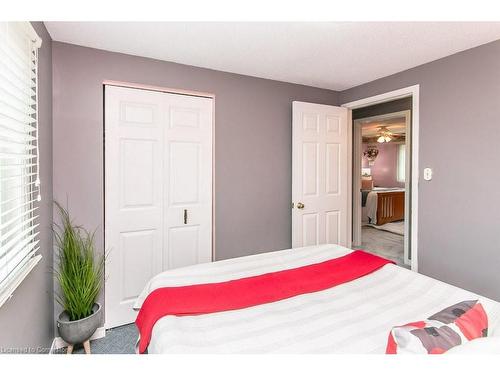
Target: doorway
382 183
411 168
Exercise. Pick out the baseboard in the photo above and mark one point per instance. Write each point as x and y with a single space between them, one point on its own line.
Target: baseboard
59 343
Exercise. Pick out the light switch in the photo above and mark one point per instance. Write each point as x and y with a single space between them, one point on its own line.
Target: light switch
427 174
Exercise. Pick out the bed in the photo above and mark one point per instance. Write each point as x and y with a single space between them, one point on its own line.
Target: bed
385 205
354 317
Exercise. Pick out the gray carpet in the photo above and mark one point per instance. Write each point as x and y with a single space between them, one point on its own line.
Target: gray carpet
386 244
119 340
397 227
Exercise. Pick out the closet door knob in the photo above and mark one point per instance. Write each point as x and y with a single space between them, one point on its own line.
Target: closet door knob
300 206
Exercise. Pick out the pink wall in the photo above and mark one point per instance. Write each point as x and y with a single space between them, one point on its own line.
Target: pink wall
384 171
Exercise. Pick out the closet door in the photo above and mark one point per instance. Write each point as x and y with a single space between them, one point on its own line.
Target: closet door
188 190
158 190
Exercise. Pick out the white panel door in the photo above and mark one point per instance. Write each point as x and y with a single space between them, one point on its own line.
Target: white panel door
153 172
133 197
188 192
320 194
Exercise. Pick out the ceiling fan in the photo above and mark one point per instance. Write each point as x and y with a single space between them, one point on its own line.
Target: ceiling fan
384 135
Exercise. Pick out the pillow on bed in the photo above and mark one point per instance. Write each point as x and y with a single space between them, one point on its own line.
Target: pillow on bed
442 331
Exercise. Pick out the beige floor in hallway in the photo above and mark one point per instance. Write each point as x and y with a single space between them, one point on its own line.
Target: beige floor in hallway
386 244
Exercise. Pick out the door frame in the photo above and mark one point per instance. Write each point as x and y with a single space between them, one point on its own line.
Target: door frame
413 92
168 90
356 182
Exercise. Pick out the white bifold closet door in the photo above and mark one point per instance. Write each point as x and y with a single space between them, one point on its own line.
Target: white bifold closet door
158 190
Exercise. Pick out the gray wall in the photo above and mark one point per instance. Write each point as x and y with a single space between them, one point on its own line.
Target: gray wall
459 210
26 320
252 142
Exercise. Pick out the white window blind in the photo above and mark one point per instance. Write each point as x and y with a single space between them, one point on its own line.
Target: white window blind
401 163
19 162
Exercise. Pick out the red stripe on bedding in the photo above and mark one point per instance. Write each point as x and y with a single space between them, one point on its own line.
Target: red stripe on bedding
251 291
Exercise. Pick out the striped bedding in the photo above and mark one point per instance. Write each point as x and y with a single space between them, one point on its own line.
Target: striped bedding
354 317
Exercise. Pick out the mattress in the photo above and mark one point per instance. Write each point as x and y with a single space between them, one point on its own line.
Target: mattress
354 317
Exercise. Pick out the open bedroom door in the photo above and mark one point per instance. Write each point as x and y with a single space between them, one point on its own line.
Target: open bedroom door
321 208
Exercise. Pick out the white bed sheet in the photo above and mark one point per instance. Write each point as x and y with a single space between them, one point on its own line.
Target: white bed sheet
354 317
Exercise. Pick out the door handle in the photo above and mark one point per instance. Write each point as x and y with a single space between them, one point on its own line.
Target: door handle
300 206
185 216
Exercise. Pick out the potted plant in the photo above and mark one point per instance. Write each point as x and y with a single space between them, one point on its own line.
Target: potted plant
79 273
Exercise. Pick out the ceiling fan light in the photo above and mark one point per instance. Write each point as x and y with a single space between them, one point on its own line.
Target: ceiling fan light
387 138
381 139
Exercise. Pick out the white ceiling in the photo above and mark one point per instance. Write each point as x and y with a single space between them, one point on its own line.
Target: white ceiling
334 55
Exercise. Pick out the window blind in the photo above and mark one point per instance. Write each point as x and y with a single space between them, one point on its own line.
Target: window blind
19 154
